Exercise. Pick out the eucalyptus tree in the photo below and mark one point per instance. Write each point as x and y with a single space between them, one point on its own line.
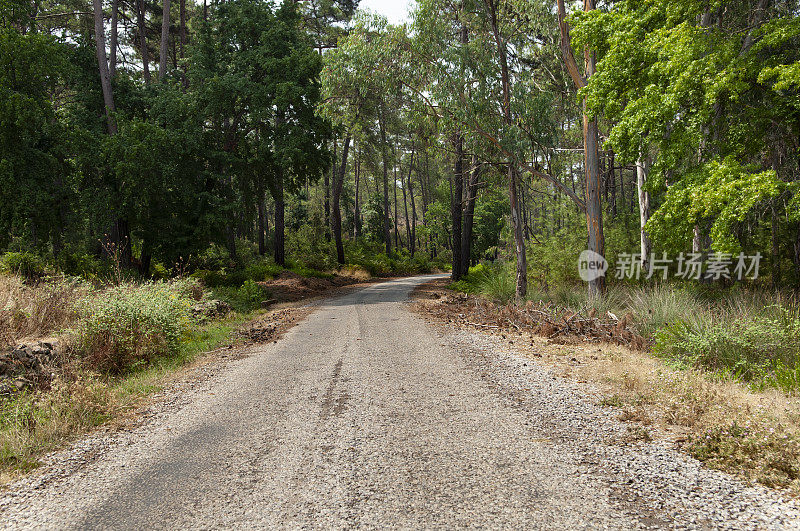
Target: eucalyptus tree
356 102
709 91
482 87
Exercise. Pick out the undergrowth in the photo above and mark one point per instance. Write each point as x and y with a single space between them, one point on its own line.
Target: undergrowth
747 335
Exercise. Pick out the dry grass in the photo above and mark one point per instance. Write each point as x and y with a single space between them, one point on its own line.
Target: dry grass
725 423
35 311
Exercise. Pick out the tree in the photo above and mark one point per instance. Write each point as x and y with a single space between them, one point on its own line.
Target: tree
594 209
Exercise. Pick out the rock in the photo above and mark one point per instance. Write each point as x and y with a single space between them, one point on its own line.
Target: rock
211 309
28 365
268 303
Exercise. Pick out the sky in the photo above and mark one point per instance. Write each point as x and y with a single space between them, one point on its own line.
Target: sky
394 10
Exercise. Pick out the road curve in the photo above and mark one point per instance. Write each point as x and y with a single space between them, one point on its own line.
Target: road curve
360 416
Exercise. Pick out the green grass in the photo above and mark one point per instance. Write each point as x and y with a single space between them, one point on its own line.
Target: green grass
35 423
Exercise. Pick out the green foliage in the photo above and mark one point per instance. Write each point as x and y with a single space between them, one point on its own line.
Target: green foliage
131 324
761 350
496 281
25 264
310 248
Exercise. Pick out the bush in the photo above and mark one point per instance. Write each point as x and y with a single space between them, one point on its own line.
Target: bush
131 324
79 264
215 258
761 350
24 264
252 293
36 310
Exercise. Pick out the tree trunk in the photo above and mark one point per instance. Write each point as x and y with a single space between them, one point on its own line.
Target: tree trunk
594 211
262 234
162 57
112 67
642 169
337 193
183 42
357 216
456 207
409 235
327 200
469 218
519 240
413 205
143 40
384 151
594 207
102 64
516 222
394 189
280 227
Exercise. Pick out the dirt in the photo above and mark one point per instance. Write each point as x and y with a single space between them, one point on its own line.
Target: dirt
557 325
291 287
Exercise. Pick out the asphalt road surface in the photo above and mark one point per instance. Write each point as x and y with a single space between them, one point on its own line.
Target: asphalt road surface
364 416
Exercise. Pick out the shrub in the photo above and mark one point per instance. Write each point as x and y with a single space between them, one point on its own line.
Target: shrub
214 258
761 350
79 264
130 324
252 293
24 264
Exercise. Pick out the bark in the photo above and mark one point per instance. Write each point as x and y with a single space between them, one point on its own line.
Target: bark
357 207
519 241
280 227
410 234
102 64
456 207
594 207
613 176
413 205
327 200
262 242
112 67
143 40
516 222
183 42
642 169
384 152
469 218
394 189
337 193
162 57
594 210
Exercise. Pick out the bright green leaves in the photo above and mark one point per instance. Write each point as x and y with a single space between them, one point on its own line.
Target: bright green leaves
726 195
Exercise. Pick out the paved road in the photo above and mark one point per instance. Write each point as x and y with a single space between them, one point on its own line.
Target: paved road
361 416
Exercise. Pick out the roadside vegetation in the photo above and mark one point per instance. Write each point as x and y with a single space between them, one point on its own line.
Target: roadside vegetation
118 337
718 366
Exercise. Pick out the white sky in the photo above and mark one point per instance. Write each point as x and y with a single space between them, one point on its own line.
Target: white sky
394 10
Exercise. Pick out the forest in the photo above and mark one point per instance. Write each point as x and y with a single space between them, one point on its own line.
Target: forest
633 159
173 134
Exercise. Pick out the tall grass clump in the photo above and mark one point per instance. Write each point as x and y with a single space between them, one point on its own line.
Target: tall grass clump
36 310
761 349
496 281
130 324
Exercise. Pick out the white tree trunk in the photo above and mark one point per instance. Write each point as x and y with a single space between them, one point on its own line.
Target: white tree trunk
642 169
